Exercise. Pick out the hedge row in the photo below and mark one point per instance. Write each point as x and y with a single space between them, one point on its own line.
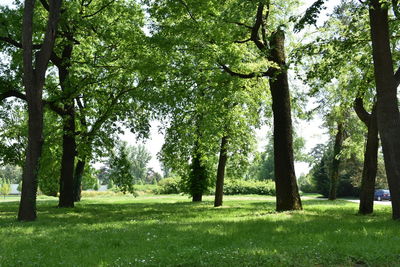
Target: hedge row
172 185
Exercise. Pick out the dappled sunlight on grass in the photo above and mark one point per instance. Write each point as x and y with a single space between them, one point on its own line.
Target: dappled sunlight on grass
170 230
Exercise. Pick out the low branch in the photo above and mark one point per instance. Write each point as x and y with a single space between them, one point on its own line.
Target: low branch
361 112
12 42
12 93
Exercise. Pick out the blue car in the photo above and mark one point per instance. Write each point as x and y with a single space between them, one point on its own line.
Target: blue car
382 194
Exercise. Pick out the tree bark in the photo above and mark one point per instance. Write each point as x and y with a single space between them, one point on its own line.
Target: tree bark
66 199
370 167
387 103
334 176
80 167
34 78
198 176
370 157
287 193
219 187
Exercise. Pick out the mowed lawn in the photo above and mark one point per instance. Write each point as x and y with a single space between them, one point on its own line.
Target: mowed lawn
172 231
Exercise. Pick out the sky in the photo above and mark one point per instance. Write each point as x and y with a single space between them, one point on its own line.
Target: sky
310 130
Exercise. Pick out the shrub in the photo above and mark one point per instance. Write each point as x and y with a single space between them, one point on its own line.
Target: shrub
242 187
171 185
5 187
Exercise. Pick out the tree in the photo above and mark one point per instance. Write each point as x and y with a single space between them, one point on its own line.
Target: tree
139 157
370 157
5 187
121 170
34 78
388 115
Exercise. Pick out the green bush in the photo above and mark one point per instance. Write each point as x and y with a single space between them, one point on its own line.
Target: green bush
5 187
171 185
243 187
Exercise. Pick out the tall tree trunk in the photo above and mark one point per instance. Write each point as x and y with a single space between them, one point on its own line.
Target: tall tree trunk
287 192
370 157
80 167
370 167
34 79
66 198
387 103
334 175
219 187
27 209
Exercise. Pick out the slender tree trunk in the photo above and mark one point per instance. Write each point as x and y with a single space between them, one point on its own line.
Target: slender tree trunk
219 187
34 79
287 192
370 157
370 167
66 198
80 167
387 103
336 161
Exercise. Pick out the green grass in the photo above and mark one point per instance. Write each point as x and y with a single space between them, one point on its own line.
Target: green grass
170 230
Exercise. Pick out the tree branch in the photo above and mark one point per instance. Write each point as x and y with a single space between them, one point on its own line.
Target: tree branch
397 77
257 25
188 10
45 4
98 11
245 76
12 93
242 42
11 41
360 110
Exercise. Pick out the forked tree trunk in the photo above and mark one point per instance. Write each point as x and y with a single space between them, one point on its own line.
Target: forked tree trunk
219 187
34 79
370 158
334 175
287 192
387 103
66 199
79 168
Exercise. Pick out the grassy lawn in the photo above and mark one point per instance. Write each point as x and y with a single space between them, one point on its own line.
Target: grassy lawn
170 230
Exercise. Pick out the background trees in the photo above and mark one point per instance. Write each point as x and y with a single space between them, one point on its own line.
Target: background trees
212 72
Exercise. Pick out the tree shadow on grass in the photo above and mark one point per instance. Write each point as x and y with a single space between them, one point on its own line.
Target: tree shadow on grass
194 234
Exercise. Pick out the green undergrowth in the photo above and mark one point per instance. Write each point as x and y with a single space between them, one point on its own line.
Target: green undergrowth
171 231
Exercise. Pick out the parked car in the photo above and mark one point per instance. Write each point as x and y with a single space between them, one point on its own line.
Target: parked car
382 194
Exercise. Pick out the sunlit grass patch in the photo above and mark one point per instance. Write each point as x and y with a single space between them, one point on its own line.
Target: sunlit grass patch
170 230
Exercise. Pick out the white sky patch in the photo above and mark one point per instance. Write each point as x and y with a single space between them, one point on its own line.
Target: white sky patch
153 144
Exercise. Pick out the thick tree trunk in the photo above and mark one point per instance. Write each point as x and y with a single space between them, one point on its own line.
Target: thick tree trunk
387 103
80 167
334 176
219 187
34 79
66 199
198 178
287 193
27 209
